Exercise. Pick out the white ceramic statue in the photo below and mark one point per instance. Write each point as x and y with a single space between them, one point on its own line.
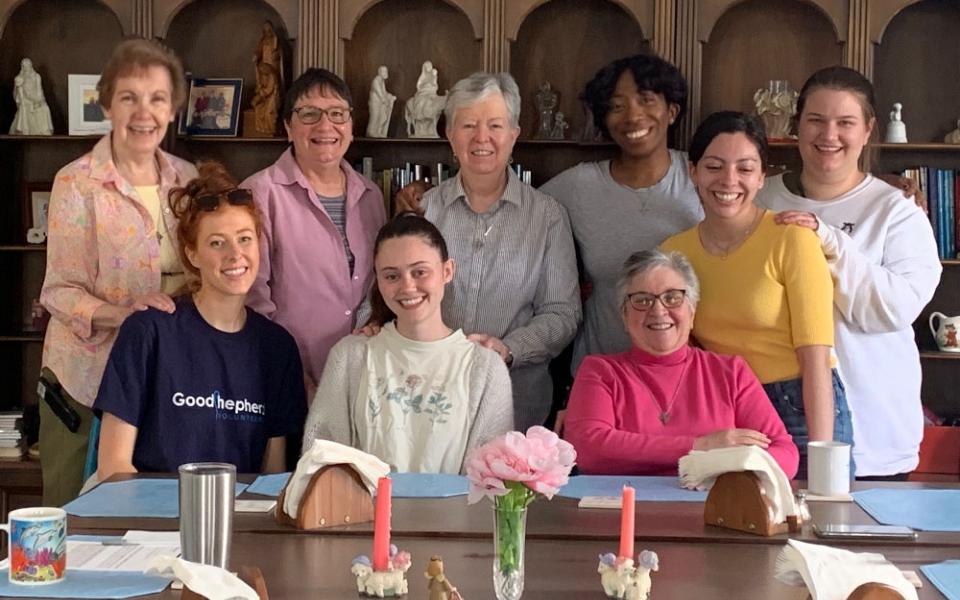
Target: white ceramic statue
33 114
560 127
776 106
546 103
620 579
381 105
954 136
423 110
382 584
896 130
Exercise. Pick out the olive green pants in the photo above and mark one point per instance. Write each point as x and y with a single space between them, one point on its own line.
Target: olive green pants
62 454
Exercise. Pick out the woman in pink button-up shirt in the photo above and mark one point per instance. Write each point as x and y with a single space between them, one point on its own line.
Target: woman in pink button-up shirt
106 249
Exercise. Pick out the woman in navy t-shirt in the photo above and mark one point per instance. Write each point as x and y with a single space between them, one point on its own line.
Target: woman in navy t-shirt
214 380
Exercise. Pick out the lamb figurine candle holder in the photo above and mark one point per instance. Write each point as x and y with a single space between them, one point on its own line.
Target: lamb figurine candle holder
382 584
621 579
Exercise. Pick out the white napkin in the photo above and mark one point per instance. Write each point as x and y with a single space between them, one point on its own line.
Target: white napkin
699 470
213 583
833 574
323 453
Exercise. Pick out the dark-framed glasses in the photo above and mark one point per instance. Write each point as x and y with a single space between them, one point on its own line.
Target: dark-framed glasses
236 197
642 301
309 115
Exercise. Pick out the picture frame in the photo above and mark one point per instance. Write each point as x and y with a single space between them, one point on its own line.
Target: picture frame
85 115
213 108
34 207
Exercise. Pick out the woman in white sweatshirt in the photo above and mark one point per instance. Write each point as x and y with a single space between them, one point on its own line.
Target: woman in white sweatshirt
883 259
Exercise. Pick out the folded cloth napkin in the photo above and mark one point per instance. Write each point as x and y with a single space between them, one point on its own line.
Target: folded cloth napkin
210 582
323 453
833 574
699 470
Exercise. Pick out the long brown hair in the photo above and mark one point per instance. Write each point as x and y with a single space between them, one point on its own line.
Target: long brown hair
402 225
213 180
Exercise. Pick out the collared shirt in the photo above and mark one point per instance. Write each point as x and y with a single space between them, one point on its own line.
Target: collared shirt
516 280
305 283
102 248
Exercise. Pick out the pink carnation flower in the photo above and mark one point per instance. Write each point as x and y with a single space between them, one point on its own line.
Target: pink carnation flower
539 460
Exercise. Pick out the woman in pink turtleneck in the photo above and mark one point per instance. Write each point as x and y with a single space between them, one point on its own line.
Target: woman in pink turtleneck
638 412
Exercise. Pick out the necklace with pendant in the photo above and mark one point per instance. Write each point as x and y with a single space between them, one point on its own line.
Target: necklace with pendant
726 249
665 412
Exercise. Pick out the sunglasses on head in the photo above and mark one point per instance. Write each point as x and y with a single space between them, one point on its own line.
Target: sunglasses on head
210 202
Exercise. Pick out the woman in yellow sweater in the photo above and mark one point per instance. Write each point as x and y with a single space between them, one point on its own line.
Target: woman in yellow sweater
766 289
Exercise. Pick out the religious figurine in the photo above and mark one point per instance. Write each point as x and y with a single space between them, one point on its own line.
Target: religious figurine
896 130
439 586
423 110
261 119
546 102
591 133
954 136
776 106
33 114
621 580
560 126
381 105
382 584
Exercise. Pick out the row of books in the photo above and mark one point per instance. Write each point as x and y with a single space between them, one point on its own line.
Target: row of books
11 439
942 188
392 180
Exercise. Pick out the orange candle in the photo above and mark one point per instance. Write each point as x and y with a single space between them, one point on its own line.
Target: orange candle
628 506
381 526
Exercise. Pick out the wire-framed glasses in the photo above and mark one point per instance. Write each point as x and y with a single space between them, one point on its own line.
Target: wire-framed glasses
643 301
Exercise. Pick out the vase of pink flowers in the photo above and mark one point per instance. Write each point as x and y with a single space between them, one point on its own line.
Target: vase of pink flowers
514 470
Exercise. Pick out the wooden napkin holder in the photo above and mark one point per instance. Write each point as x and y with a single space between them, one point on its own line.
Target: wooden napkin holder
875 591
249 575
737 501
336 495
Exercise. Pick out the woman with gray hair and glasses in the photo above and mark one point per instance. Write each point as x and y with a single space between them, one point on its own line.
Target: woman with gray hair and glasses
638 412
516 287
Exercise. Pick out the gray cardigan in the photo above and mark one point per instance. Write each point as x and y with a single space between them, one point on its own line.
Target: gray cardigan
330 416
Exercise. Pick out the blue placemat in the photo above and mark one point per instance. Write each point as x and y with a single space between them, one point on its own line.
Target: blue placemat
946 577
405 485
269 485
649 489
927 510
133 498
89 584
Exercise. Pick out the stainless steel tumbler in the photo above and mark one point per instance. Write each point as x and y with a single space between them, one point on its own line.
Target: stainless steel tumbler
206 512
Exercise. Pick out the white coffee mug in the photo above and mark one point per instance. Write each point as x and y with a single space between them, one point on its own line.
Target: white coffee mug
828 468
38 545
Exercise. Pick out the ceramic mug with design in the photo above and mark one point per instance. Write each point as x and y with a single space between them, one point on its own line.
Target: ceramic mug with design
945 332
38 545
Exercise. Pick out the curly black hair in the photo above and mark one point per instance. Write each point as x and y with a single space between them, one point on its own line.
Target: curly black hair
651 73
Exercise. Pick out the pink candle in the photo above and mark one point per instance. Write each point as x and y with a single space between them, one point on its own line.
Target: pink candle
628 507
381 526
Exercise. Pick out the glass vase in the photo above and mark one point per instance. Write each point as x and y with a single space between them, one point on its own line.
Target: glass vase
509 533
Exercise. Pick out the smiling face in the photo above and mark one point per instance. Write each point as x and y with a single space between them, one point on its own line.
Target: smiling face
638 120
481 136
832 132
227 252
140 110
322 143
728 176
659 330
411 276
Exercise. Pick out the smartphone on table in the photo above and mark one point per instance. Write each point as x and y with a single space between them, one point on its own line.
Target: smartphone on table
863 532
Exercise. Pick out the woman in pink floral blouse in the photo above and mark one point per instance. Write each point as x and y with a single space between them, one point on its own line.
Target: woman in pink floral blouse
112 247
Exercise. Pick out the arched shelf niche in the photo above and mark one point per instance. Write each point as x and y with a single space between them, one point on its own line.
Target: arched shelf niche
218 38
165 11
42 30
544 49
401 35
746 45
917 64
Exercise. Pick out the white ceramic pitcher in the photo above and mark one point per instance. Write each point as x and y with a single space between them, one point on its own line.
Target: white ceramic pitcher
946 333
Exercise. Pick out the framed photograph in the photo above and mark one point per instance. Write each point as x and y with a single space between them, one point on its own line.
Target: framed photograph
36 202
213 108
85 115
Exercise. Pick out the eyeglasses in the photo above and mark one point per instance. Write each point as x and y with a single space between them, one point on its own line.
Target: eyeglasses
311 114
236 197
642 301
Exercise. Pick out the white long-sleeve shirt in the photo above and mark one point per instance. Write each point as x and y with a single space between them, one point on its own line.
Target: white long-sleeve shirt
883 258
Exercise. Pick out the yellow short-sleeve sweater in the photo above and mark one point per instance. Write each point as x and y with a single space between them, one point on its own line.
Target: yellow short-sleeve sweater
768 297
